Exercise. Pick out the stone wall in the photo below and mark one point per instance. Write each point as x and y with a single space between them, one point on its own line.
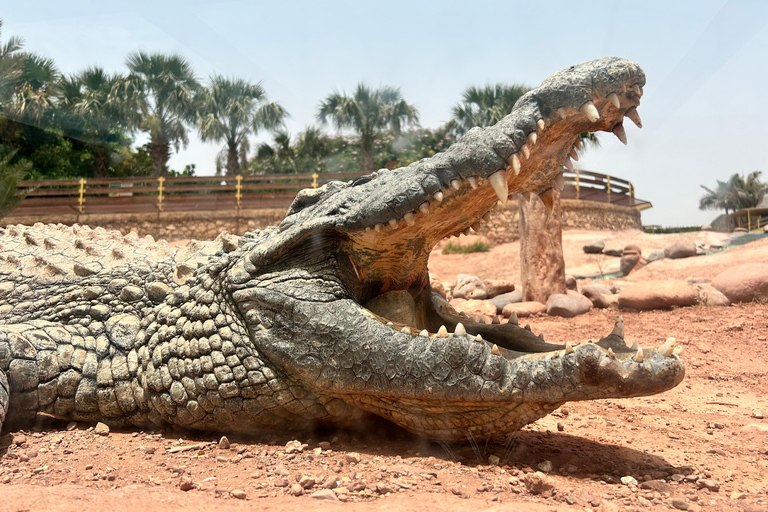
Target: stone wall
172 226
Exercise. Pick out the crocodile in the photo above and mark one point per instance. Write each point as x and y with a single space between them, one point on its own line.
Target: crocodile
327 318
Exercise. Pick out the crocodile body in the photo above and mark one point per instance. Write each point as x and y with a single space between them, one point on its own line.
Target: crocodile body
325 318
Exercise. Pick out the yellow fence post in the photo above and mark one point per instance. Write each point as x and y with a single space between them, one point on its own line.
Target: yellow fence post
81 199
577 184
238 190
608 188
160 189
314 179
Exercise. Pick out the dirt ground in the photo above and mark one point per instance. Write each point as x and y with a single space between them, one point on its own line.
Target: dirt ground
700 446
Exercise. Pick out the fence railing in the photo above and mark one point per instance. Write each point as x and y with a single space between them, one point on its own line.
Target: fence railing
751 219
211 193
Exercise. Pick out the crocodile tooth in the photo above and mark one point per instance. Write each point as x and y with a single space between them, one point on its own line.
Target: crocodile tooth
367 228
577 144
562 112
424 208
390 324
495 320
574 155
532 138
456 184
466 231
590 110
495 350
634 346
548 198
619 132
638 358
667 348
540 124
478 338
476 226
438 196
513 319
526 195
613 98
378 227
568 347
560 182
409 219
634 116
460 330
500 186
406 330
472 182
526 152
516 164
568 164
610 352
618 327
528 327
424 333
442 332
393 223
487 217
541 336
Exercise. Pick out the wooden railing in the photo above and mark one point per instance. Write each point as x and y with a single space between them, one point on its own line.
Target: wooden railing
210 193
752 219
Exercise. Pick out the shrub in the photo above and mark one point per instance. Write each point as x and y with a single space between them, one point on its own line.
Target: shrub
478 246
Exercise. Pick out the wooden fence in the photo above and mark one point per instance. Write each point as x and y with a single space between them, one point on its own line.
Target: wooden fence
215 193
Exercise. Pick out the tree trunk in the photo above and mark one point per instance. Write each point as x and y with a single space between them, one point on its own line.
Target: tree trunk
159 153
366 154
542 267
233 163
101 162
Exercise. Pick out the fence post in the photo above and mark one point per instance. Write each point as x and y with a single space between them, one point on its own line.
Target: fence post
577 184
631 194
81 199
238 194
749 222
608 187
314 179
160 189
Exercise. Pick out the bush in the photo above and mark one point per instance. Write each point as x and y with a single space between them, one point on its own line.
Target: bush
478 246
662 229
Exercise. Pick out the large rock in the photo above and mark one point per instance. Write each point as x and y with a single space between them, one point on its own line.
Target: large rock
494 287
744 283
711 296
476 307
570 282
632 249
594 247
628 263
437 285
469 287
680 250
559 304
507 298
658 294
596 294
524 309
613 251
656 255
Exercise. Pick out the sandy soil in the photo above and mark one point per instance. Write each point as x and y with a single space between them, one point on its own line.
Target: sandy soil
710 432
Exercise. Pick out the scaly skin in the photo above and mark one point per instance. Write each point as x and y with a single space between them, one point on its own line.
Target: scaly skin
269 330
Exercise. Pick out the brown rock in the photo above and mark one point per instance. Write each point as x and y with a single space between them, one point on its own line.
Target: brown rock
523 309
711 296
297 490
568 305
325 495
469 287
570 282
239 494
477 307
186 484
538 483
594 247
596 296
680 250
101 429
224 443
658 294
656 485
628 263
494 287
744 283
632 249
437 285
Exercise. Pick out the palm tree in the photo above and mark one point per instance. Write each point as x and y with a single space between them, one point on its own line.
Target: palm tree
368 112
10 174
160 91
485 106
36 89
736 193
10 67
232 109
94 112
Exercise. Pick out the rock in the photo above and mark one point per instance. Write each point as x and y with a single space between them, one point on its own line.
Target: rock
596 296
324 445
19 439
656 255
678 502
567 306
385 488
631 249
101 429
352 458
711 296
613 251
707 483
680 250
507 298
570 282
324 494
629 481
545 466
495 287
294 446
538 483
523 309
437 285
224 443
237 493
658 294
628 263
757 414
307 482
656 485
297 490
186 484
494 460
469 287
744 283
594 247
477 307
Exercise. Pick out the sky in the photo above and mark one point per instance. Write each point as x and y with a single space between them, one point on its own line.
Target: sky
706 64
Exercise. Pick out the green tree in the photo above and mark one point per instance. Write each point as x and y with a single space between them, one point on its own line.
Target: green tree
10 67
368 112
230 110
10 174
485 106
736 193
160 92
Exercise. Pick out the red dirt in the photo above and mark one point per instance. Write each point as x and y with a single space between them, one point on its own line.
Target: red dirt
713 426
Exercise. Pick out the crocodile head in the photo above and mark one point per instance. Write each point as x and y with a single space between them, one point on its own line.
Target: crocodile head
338 295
